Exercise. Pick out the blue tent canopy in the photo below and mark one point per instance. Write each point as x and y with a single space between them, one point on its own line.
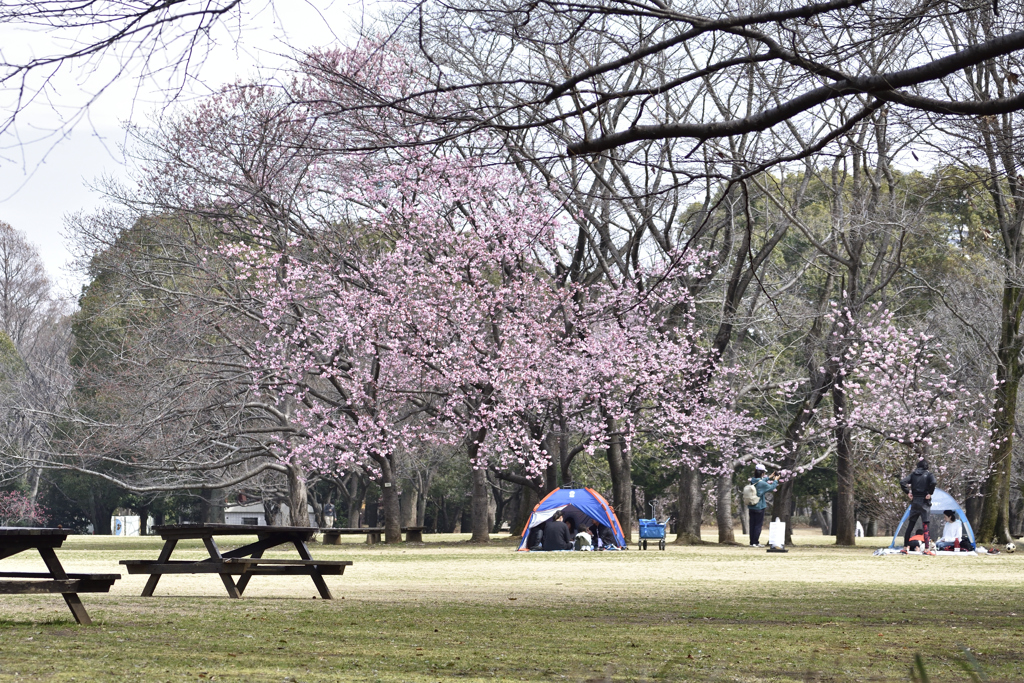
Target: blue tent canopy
588 501
940 501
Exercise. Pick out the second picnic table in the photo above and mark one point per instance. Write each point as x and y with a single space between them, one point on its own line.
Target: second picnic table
14 540
244 562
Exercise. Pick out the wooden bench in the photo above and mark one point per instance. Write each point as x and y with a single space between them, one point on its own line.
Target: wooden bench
413 534
240 566
45 583
332 536
244 562
55 580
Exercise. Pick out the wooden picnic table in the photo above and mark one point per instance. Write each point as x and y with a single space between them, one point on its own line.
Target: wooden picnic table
14 540
244 562
332 535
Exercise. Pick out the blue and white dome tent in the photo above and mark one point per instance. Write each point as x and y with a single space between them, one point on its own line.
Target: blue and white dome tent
586 500
941 501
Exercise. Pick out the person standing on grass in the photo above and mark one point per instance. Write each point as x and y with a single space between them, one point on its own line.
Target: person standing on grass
919 486
763 484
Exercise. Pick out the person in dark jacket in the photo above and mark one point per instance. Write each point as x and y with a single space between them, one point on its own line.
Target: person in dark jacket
919 486
556 534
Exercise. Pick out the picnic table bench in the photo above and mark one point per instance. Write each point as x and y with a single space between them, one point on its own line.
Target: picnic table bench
14 540
244 562
332 535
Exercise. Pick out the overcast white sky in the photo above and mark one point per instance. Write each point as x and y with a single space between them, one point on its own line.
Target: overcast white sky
44 177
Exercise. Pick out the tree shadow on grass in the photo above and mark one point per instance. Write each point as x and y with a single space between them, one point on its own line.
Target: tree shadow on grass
46 621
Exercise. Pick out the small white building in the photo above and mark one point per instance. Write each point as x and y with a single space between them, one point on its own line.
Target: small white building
252 514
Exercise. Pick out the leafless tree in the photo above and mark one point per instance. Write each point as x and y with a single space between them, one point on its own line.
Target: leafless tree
165 399
36 375
809 60
818 56
99 43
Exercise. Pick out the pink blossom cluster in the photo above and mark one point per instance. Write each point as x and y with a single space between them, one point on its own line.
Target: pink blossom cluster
16 508
450 329
905 392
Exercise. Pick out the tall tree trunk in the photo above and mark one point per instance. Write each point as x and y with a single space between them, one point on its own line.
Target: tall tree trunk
782 499
298 496
211 506
99 514
1016 516
421 506
389 500
530 498
620 468
744 517
782 504
824 517
392 512
835 514
724 509
691 503
846 523
143 512
500 503
551 476
872 528
271 511
34 475
373 510
480 504
356 494
994 524
408 502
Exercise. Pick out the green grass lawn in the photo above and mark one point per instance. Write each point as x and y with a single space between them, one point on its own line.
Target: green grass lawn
448 610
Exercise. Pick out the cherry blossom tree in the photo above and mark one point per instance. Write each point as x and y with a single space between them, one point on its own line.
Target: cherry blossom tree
436 334
906 403
17 508
641 365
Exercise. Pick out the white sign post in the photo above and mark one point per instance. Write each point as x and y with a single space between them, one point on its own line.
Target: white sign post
125 525
777 536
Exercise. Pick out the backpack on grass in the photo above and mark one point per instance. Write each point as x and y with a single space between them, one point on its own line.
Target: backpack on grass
750 496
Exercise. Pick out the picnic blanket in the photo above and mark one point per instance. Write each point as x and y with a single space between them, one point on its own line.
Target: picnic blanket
938 553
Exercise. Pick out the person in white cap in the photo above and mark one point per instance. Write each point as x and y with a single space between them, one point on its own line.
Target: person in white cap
763 484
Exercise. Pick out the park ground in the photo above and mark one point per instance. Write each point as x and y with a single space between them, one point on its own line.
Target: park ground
446 610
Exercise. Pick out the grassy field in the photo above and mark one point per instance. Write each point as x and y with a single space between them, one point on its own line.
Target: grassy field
446 610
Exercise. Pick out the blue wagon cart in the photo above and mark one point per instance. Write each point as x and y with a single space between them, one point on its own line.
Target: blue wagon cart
651 530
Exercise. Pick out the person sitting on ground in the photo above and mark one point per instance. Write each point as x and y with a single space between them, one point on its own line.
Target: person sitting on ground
556 534
953 533
536 538
915 543
570 523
